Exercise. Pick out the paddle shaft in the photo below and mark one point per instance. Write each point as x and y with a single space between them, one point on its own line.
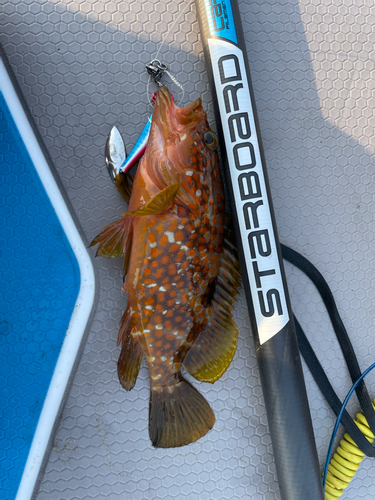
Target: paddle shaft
263 274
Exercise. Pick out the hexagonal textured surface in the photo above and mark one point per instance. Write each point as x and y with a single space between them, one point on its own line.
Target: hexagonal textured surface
39 286
80 65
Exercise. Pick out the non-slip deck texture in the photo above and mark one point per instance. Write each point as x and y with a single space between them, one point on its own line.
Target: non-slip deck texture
80 65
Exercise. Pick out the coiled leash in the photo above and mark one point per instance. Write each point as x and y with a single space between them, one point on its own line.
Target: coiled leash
361 432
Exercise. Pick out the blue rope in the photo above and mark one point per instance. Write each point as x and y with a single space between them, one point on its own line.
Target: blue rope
338 422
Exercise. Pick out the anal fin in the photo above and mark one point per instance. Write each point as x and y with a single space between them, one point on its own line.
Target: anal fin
129 362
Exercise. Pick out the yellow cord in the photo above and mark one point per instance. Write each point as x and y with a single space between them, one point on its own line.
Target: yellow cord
345 461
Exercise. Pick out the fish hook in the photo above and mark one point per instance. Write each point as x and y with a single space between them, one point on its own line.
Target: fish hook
156 70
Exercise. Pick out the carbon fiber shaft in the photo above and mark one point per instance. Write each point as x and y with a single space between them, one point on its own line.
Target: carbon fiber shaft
278 356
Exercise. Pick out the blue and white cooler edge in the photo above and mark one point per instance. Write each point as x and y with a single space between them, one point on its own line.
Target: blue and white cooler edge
61 369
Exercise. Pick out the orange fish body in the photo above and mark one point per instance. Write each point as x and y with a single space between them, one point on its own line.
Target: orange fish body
181 272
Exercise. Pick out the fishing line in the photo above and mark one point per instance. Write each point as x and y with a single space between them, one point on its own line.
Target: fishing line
174 80
339 419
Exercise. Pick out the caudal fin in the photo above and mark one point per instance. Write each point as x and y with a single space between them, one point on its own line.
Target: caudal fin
178 415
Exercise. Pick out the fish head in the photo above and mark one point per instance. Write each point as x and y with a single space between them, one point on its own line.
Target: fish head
180 133
181 148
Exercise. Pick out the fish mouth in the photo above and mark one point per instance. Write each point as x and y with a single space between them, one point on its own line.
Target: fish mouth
164 99
172 119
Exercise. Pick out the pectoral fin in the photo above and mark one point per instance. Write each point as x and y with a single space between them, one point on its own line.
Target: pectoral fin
115 239
158 204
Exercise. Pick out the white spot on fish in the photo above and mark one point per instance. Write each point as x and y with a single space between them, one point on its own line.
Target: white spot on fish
170 236
198 192
150 286
158 327
189 172
171 388
183 247
156 377
162 289
183 137
149 307
136 277
163 358
152 245
165 312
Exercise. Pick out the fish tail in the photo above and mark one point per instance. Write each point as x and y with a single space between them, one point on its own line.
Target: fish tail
179 415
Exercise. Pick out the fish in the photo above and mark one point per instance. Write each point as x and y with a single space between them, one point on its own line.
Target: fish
181 271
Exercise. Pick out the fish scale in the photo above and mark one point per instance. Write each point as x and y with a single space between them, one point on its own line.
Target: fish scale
173 290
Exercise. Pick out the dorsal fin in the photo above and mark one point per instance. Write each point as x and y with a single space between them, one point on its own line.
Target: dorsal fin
215 346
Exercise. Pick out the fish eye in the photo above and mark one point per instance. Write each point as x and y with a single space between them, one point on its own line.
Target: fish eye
210 139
